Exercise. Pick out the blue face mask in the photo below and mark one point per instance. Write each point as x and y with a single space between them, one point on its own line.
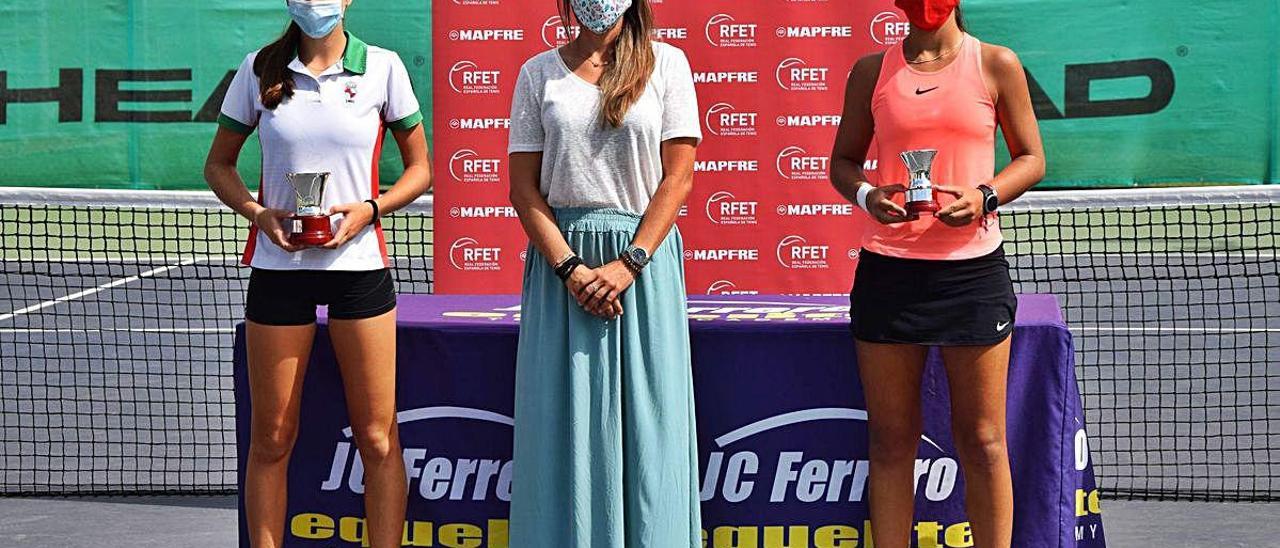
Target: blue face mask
600 15
316 19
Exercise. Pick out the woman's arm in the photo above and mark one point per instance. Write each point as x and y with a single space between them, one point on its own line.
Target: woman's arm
415 180
1018 122
539 221
677 180
221 176
1021 132
849 153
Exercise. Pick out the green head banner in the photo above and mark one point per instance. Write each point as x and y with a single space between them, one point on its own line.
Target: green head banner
123 94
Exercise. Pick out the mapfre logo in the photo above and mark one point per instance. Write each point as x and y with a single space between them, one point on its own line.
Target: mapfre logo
796 252
667 34
722 255
467 166
796 164
723 208
483 212
809 120
724 120
479 124
740 77
815 32
726 287
723 31
815 210
555 34
889 28
726 166
469 255
795 74
487 35
468 78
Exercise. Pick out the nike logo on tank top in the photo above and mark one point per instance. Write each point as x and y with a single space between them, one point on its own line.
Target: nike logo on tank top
949 110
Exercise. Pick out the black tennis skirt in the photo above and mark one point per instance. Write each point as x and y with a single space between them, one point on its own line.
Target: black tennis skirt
967 302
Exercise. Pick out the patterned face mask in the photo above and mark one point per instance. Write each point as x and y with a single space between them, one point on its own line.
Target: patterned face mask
600 15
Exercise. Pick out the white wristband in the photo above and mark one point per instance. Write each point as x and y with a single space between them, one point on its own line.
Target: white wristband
863 191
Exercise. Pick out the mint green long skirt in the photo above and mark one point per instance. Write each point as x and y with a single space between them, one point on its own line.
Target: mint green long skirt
605 453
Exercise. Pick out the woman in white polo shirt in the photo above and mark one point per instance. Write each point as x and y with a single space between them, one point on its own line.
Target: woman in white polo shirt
321 101
603 138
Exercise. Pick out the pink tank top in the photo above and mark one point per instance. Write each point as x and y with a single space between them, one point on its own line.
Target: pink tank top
949 110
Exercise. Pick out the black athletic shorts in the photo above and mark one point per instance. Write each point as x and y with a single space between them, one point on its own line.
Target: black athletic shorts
968 302
290 297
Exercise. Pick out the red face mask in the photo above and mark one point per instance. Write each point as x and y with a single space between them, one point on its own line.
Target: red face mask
927 15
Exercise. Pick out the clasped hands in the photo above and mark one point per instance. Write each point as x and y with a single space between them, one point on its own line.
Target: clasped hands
599 290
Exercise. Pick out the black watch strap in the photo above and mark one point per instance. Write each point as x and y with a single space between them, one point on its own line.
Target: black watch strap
565 268
990 201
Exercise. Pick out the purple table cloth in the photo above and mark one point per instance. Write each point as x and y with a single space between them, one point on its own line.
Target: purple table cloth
781 430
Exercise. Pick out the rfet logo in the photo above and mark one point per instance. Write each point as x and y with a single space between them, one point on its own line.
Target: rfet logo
724 31
796 164
795 74
467 166
724 120
556 34
467 78
726 287
723 208
889 28
469 255
476 2
796 252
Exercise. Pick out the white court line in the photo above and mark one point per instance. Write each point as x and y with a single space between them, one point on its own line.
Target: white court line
158 259
97 289
1160 329
132 259
74 331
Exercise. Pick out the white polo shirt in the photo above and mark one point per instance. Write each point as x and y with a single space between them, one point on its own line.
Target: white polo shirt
334 123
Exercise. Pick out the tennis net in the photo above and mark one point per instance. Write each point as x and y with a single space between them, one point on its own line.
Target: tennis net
117 313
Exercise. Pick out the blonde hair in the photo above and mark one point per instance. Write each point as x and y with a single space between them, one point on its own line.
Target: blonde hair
625 79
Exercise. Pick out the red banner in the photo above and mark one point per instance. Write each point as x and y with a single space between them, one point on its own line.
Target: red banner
770 75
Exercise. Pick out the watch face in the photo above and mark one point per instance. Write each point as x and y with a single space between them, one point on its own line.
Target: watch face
639 255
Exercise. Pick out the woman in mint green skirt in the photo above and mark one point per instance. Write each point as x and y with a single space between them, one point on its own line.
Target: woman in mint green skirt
603 135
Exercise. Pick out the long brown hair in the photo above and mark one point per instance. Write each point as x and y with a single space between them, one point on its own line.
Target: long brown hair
275 84
624 79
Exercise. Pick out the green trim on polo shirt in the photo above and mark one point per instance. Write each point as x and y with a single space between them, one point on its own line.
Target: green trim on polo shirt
235 125
356 54
407 122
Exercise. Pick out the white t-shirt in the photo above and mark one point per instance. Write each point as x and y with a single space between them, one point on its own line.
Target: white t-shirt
333 123
585 161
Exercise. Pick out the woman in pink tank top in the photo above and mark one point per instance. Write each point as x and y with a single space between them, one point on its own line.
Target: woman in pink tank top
934 274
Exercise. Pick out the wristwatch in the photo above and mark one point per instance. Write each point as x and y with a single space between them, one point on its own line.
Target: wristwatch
635 257
990 202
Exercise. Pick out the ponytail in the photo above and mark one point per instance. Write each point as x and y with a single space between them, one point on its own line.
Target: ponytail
275 84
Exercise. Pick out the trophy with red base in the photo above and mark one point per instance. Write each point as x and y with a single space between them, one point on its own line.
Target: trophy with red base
310 226
920 196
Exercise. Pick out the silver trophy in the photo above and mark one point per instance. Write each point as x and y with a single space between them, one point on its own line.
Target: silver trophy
920 197
310 226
